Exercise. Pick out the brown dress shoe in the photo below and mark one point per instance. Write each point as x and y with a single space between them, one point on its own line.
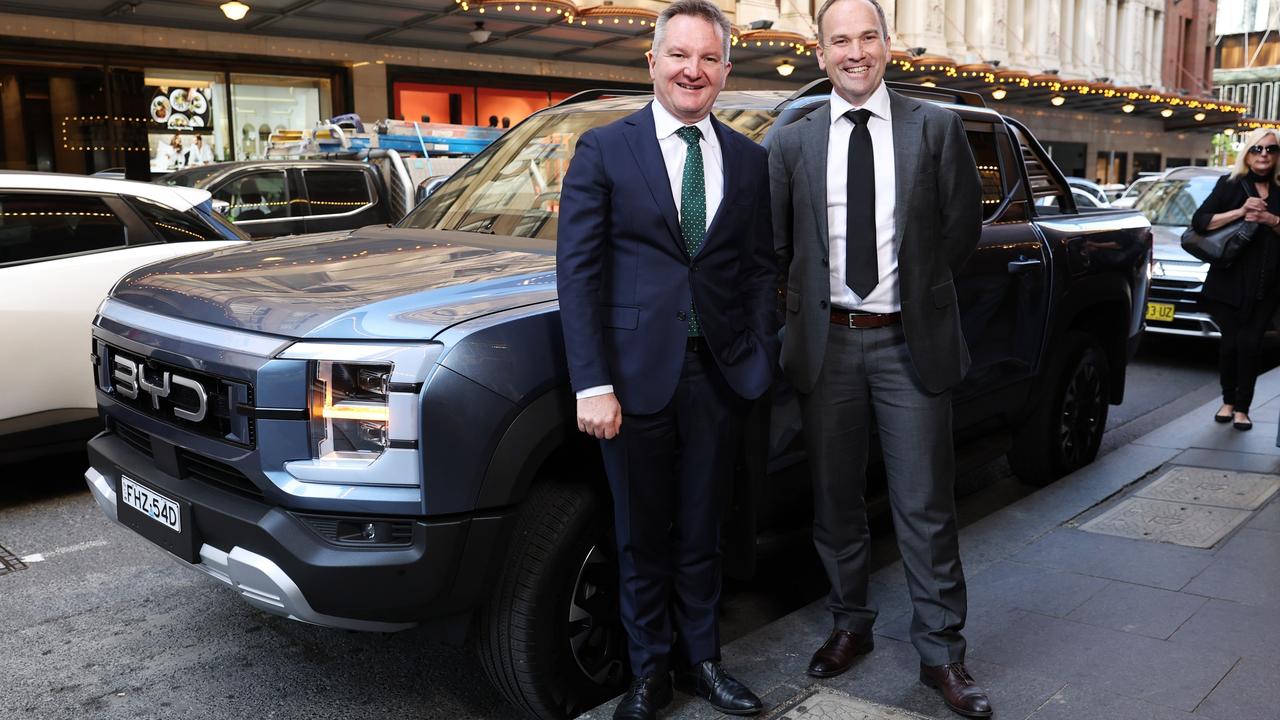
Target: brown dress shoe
958 689
838 653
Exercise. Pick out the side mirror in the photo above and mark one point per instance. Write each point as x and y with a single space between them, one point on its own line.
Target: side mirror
222 207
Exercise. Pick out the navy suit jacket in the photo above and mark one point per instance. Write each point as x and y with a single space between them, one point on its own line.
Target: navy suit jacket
626 281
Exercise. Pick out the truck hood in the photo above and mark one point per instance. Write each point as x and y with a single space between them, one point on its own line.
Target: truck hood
375 283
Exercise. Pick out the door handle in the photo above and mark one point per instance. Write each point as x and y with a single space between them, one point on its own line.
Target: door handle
1022 265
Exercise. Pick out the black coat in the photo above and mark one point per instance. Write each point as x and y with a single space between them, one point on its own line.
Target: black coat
1256 273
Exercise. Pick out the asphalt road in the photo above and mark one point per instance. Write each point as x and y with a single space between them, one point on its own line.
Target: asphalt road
105 625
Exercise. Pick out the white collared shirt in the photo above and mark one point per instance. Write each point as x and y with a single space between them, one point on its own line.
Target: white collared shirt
674 151
885 297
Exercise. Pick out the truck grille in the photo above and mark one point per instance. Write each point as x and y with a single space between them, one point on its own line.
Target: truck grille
194 467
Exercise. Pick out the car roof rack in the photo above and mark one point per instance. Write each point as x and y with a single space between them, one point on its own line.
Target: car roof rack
822 86
587 95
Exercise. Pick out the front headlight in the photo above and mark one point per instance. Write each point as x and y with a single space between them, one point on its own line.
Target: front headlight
350 413
366 420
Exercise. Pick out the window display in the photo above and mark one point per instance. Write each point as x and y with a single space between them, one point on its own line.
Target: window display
187 125
263 104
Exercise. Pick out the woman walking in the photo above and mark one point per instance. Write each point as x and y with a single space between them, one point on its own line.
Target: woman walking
1243 296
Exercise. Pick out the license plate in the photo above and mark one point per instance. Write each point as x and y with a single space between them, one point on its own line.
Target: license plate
1160 312
151 503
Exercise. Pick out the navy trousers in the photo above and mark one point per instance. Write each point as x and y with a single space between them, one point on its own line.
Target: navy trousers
669 473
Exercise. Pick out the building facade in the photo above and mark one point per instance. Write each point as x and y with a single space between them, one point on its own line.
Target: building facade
1247 57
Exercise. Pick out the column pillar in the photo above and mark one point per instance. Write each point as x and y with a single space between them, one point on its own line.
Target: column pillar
1068 57
1013 34
958 45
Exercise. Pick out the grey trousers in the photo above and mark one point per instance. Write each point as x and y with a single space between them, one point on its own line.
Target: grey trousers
867 377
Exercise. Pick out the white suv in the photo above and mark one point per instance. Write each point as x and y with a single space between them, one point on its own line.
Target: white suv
64 242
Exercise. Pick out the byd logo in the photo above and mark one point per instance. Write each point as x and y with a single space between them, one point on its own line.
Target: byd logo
131 378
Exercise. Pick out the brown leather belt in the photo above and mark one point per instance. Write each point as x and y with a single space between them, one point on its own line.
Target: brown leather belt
862 320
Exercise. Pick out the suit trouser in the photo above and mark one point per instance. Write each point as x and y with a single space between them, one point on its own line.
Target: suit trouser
868 374
669 473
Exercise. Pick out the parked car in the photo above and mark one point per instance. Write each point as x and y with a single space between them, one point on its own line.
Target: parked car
1096 192
1135 190
396 415
64 241
1084 200
1177 277
268 198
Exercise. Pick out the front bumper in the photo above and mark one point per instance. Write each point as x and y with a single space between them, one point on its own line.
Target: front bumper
280 565
1179 283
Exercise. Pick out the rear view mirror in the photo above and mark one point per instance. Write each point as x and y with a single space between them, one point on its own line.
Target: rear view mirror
222 207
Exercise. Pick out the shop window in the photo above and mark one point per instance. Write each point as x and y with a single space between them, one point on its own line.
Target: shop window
184 106
421 102
172 225
256 196
263 104
504 108
333 192
38 226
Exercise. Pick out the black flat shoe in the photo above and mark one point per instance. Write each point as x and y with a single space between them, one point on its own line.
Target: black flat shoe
709 681
1246 425
1222 418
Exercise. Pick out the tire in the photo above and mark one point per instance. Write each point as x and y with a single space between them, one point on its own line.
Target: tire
1064 430
549 638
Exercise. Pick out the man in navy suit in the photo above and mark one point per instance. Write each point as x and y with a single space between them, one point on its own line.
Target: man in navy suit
666 279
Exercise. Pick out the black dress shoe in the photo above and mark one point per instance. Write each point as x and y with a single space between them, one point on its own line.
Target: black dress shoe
646 696
1222 418
1246 424
709 681
838 653
958 689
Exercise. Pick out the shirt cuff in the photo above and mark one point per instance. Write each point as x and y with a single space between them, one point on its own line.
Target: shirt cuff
594 391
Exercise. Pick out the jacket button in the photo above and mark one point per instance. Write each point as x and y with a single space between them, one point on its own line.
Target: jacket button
681 316
824 262
822 304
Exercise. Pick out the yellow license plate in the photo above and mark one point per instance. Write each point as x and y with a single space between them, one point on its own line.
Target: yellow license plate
1160 312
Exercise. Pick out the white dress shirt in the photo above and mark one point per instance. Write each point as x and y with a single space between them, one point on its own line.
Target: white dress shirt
885 298
674 151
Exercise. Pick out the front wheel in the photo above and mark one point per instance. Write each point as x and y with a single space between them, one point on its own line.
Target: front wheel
1065 428
549 638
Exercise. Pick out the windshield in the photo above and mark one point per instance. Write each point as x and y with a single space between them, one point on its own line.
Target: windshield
513 187
1173 202
192 177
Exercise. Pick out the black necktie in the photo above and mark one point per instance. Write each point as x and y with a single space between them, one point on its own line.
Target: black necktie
860 270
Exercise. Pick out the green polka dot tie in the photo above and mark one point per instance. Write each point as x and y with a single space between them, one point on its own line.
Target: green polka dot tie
693 206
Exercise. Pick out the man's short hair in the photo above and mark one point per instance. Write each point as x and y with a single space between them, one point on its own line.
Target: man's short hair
884 24
704 9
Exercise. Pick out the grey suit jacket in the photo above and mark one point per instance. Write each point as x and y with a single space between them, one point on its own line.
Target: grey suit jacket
937 218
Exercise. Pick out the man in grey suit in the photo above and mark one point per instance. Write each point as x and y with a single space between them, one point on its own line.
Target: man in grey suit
876 205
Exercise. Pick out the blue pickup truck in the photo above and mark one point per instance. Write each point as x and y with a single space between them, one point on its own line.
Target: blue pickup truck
375 429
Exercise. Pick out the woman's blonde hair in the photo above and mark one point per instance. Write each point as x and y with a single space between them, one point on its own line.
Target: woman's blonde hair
1254 137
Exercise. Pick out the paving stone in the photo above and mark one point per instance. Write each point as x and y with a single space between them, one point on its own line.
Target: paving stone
1180 523
1268 518
1191 431
1244 462
1230 627
1219 488
1138 609
1154 671
1144 563
1252 582
1076 701
820 703
1252 546
1249 692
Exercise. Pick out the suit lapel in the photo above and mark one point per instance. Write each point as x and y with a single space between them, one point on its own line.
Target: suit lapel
733 176
814 136
907 129
642 137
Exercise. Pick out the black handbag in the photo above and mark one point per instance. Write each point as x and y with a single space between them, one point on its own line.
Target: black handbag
1222 246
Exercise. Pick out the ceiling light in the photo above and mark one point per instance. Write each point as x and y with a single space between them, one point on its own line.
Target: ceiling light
234 10
929 83
1199 117
1128 107
786 68
480 35
1167 112
999 93
1057 100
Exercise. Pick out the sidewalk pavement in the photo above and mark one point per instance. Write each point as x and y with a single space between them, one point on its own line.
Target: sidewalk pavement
1066 618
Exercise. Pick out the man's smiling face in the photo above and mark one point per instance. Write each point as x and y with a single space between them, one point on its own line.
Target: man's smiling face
853 50
689 68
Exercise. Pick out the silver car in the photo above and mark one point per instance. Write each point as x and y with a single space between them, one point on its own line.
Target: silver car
1177 277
